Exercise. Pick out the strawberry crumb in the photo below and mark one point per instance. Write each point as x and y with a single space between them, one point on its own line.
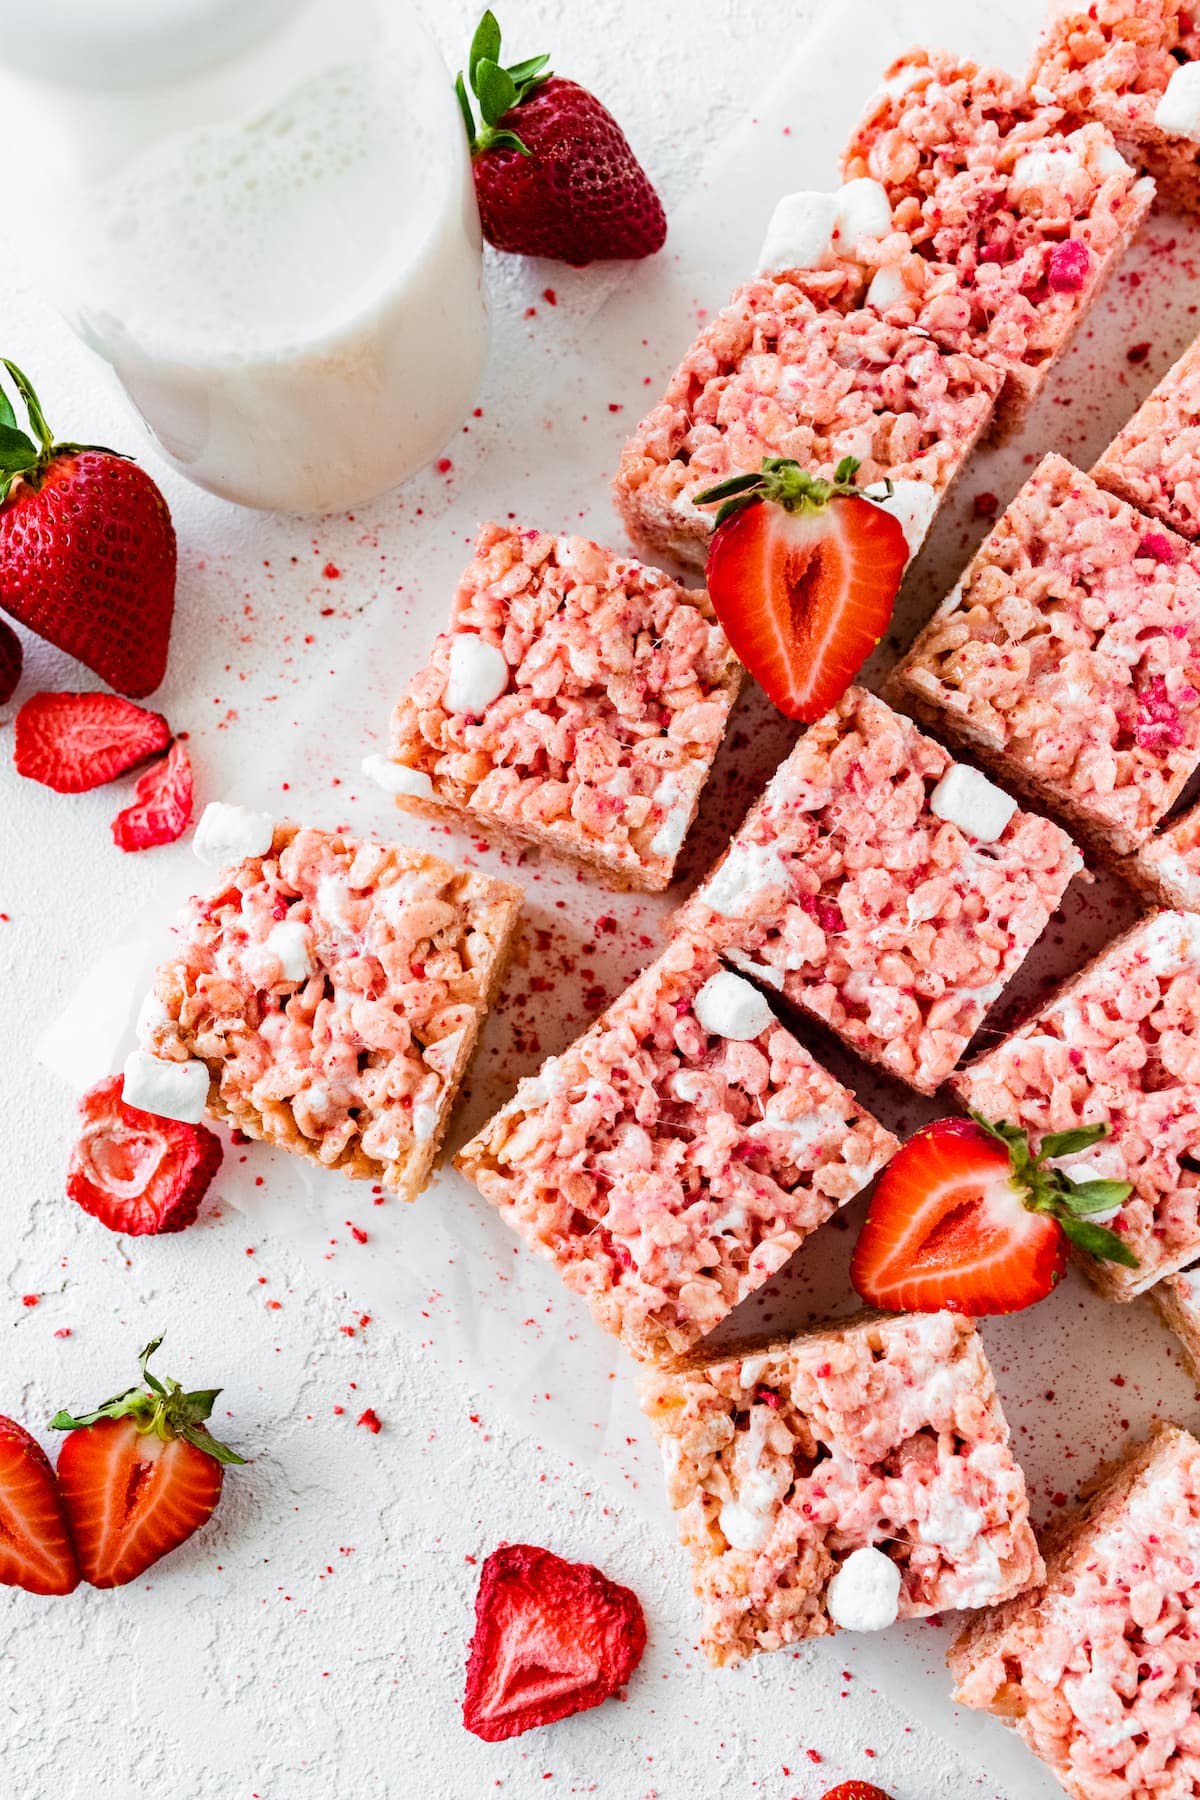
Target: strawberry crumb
30 1299
331 572
64 1331
1137 353
371 1420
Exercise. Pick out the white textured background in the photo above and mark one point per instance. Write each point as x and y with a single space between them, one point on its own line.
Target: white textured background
309 1644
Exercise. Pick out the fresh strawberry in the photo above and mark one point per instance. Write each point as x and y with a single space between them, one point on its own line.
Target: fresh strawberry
136 1172
139 1475
967 1219
803 574
87 549
856 1790
10 662
551 1638
36 1552
162 804
73 742
554 173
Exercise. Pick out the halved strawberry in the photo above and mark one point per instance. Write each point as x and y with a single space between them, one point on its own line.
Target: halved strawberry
803 574
73 742
551 1638
856 1790
966 1218
134 1171
139 1475
161 805
10 662
36 1552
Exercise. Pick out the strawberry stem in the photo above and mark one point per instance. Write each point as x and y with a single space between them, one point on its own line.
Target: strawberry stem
782 481
161 1408
497 89
1046 1189
21 459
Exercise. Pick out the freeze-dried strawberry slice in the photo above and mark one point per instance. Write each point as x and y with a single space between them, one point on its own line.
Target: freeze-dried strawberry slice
162 804
73 742
136 1172
551 1638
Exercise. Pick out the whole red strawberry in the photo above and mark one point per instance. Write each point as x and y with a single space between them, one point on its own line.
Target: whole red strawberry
87 550
554 173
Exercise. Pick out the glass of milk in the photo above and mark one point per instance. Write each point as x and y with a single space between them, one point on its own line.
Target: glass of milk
261 213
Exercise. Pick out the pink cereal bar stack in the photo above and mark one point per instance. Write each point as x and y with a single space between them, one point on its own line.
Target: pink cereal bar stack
1132 65
876 1440
1006 217
1154 461
776 375
1098 1669
1177 1298
884 889
334 989
577 701
674 1157
1118 1045
1066 657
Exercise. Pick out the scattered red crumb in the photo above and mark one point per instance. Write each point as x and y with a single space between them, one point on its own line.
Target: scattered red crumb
986 506
1137 353
549 296
359 1236
63 1331
30 1299
331 572
444 465
371 1420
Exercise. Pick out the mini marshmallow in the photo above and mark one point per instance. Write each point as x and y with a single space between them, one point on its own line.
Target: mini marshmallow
1179 109
1170 940
152 1014
730 1008
397 778
800 234
172 1090
863 211
887 288
905 78
478 675
976 805
913 504
1045 168
229 834
864 1595
425 1121
747 869
291 943
668 839
742 1527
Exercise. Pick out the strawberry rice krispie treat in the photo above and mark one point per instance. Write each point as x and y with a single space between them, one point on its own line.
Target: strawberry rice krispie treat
885 889
327 997
577 701
1132 65
776 375
1097 1669
674 1158
1154 462
1067 659
859 1474
1177 1298
1118 1045
1004 220
1167 868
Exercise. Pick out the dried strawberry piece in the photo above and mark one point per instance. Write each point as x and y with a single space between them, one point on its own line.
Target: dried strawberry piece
136 1172
73 742
1069 265
161 806
552 1638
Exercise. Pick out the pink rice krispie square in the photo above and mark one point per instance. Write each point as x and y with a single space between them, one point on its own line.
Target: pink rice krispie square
577 701
1154 462
334 989
873 1434
1098 1669
1168 867
853 888
1065 659
1177 1298
775 375
1128 63
674 1157
1118 1045
1005 221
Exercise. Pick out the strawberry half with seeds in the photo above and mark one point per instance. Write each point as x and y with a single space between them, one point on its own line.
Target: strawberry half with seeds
136 1172
75 742
87 549
554 173
803 574
139 1475
551 1638
967 1219
161 805
856 1790
36 1552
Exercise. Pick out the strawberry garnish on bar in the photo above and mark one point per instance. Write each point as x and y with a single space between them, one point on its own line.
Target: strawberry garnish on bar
36 1552
551 1638
136 1172
139 1475
803 574
967 1218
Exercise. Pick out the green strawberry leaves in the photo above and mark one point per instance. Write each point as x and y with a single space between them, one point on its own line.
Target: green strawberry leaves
159 1407
496 89
786 484
1049 1190
21 459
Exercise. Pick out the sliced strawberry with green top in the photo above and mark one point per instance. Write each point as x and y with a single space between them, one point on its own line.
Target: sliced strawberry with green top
967 1219
803 574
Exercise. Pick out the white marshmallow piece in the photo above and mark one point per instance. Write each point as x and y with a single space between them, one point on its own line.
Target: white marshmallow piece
425 1121
1170 941
229 834
172 1090
965 798
291 943
151 1015
397 778
1179 109
478 675
863 211
864 1595
800 234
913 504
1045 168
730 1008
887 288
